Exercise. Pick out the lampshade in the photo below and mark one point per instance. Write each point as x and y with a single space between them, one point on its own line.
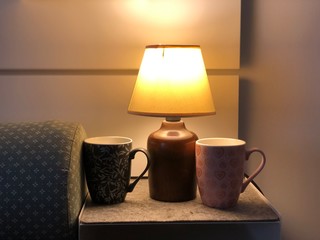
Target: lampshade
172 82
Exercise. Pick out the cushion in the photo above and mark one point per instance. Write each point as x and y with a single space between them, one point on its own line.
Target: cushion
42 186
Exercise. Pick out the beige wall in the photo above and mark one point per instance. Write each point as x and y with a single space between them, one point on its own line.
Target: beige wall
280 106
77 60
99 34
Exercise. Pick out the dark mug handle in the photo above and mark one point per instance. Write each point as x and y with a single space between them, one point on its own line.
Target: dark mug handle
131 156
258 170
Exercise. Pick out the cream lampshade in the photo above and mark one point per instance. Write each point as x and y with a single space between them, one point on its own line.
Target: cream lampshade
172 83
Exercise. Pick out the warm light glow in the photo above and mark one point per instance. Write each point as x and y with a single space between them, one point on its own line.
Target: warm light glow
163 12
172 81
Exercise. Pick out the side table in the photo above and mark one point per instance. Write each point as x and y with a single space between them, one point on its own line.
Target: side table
140 217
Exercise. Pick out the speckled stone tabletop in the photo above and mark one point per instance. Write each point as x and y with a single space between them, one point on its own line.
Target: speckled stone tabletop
139 207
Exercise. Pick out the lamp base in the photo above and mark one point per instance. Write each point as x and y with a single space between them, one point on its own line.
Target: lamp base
172 174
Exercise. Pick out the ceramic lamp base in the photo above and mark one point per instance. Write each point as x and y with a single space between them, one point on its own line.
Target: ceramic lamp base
172 175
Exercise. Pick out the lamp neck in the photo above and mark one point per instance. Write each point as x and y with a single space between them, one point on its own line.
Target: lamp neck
173 119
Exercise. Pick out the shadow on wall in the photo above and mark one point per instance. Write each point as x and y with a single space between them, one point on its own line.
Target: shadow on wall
244 107
247 26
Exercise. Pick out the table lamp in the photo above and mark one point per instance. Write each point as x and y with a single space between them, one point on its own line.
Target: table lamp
172 83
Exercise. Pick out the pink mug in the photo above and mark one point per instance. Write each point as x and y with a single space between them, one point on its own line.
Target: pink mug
220 170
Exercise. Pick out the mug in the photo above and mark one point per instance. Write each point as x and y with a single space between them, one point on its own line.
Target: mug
220 170
107 162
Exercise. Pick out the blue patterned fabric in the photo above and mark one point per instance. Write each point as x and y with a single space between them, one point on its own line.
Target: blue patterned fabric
42 186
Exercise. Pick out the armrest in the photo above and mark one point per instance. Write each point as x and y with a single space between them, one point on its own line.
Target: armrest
42 186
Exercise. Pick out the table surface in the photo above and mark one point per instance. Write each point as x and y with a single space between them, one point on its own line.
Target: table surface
140 208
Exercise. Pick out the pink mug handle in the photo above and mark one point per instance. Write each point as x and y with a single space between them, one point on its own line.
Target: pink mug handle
257 171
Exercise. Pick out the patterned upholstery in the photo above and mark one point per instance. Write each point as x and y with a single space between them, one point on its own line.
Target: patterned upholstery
42 185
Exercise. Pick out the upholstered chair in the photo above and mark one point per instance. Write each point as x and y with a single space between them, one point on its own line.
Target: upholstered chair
42 186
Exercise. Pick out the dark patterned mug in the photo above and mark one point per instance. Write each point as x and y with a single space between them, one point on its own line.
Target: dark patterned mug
107 163
220 170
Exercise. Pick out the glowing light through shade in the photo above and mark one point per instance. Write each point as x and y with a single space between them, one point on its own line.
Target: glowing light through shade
172 81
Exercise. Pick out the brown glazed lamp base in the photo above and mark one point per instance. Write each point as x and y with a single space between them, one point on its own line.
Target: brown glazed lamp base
172 175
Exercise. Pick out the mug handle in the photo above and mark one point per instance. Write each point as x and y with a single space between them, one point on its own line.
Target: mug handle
131 156
257 171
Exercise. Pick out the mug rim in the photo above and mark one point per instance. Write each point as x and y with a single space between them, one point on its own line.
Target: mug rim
108 140
220 142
